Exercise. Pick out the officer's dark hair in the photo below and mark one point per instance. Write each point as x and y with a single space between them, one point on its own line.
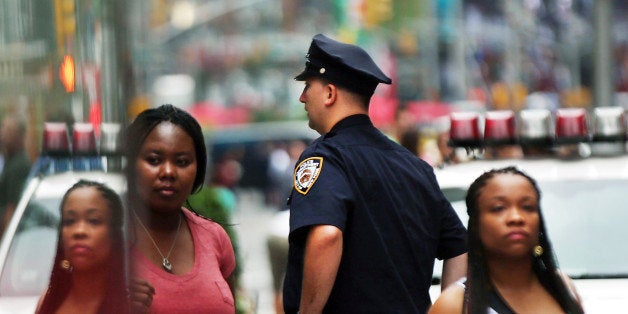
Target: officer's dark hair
146 121
115 300
357 97
478 284
365 100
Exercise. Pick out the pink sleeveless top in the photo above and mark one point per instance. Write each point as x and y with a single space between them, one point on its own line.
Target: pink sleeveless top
202 290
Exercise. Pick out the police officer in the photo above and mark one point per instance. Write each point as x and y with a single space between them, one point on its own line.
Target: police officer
367 217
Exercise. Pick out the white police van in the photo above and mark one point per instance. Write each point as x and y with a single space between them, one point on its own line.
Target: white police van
28 246
582 183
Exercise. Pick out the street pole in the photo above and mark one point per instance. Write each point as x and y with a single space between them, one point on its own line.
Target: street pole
603 58
116 78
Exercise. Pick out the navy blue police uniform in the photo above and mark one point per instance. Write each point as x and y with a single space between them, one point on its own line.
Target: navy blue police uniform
394 218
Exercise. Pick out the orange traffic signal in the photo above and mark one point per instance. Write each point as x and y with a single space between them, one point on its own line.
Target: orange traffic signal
67 73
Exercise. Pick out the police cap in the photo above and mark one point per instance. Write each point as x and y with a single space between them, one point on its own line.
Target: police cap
345 65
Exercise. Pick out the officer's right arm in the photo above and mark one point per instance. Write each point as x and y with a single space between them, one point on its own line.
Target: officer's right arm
453 269
450 301
323 251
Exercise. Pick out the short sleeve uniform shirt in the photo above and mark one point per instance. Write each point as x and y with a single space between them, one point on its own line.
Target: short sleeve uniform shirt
394 218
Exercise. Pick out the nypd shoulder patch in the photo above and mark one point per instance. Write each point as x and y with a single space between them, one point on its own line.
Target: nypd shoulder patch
306 173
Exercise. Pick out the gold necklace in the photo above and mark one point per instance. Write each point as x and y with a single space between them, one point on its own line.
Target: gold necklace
164 259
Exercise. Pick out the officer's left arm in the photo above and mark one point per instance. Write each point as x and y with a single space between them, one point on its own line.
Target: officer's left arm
453 269
323 251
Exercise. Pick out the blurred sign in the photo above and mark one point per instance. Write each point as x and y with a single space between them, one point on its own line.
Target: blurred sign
211 115
175 89
426 110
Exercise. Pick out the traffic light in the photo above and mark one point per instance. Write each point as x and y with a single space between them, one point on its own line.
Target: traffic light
376 12
65 22
67 73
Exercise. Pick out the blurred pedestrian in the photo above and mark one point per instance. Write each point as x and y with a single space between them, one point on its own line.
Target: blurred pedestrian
277 246
189 259
278 230
16 166
511 265
281 163
88 272
367 217
225 178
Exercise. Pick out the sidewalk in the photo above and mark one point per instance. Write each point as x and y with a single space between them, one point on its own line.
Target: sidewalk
251 223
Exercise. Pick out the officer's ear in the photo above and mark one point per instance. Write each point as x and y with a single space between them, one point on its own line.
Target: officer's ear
331 91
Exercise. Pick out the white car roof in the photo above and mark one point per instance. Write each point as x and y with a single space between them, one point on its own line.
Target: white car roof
542 170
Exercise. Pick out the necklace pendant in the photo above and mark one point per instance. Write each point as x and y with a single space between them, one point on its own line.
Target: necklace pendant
167 266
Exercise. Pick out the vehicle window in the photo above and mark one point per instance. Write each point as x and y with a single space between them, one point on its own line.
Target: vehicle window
455 194
31 254
585 224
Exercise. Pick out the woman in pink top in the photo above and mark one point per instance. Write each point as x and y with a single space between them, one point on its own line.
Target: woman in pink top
188 259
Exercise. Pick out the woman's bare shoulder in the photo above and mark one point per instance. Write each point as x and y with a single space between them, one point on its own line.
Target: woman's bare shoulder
449 301
570 286
41 301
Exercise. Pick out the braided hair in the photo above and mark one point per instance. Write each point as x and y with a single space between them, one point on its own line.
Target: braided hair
115 300
478 284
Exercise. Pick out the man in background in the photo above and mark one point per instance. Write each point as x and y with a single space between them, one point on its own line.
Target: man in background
16 166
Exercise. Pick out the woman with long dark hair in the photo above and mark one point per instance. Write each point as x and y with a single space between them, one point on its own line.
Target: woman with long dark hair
88 273
511 265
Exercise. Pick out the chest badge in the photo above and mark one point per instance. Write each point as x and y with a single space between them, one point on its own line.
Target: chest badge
306 173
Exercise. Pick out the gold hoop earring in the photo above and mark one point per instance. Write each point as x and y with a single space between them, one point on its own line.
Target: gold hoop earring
538 251
65 264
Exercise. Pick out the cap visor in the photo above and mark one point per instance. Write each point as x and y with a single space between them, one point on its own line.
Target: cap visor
304 75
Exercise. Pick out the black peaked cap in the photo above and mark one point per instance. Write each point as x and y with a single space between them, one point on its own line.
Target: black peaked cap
346 65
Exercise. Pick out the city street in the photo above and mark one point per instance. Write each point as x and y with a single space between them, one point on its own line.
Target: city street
541 86
251 223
